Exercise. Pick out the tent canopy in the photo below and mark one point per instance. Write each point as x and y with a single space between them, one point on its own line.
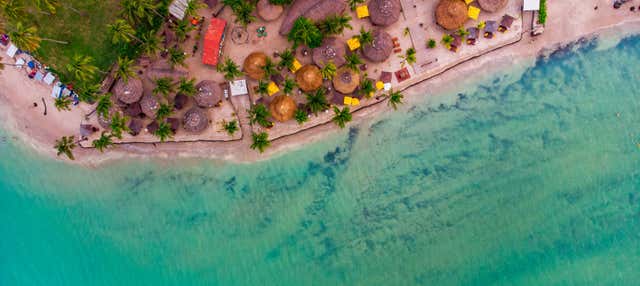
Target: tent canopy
213 40
531 5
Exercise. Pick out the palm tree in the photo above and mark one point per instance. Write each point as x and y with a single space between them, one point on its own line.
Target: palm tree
305 32
164 86
260 114
301 116
431 43
286 59
335 24
462 32
288 86
230 127
187 86
447 40
88 92
65 146
62 103
353 61
164 131
269 68
328 71
177 57
48 5
395 99
365 37
341 117
243 10
367 88
122 32
139 10
82 67
103 142
150 44
104 105
260 141
118 125
192 8
262 88
24 37
164 111
354 3
229 69
125 69
280 2
182 29
410 56
317 101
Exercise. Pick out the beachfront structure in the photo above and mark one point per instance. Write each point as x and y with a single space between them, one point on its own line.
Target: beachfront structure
253 65
238 87
346 80
384 12
331 50
208 94
213 41
451 14
128 91
380 48
309 78
177 8
506 23
492 5
282 108
314 10
195 120
531 5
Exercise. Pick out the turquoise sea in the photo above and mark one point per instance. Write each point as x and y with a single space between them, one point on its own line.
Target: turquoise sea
533 181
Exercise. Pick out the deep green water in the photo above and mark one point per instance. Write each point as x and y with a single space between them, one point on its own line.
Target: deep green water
528 182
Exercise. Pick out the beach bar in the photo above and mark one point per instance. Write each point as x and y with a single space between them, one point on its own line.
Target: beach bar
213 41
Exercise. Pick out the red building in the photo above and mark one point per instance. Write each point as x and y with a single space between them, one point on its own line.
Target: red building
213 40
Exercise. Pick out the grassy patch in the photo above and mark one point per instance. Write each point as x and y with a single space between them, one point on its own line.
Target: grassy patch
86 33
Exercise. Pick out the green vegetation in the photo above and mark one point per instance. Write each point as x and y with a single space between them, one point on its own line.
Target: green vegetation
462 32
259 114
125 69
63 103
353 62
65 145
305 32
103 142
187 86
341 117
367 89
164 131
447 40
395 99
280 2
286 59
288 86
164 86
301 116
230 127
82 68
229 68
269 68
328 71
365 37
355 3
317 101
431 43
118 125
243 9
410 56
335 24
177 57
542 14
262 88
104 105
260 141
164 111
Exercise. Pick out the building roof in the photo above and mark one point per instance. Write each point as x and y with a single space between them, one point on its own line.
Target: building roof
531 5
177 8
213 39
384 12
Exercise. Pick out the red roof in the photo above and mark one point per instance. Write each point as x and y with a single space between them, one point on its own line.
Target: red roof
212 41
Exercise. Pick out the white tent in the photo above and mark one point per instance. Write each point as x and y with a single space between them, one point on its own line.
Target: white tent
49 78
177 8
531 5
238 87
12 50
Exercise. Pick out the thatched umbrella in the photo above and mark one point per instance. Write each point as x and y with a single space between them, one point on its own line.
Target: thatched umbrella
380 49
309 78
208 94
346 80
149 105
268 11
331 50
254 64
135 126
451 14
180 101
492 5
384 12
195 120
282 108
128 92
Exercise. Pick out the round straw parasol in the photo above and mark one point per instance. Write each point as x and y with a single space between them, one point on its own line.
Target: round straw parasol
268 11
346 80
451 14
195 120
208 94
309 78
253 65
149 105
128 92
380 49
331 50
384 12
282 108
492 5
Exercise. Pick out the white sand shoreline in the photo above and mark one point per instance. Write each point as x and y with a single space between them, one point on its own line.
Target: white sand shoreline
594 23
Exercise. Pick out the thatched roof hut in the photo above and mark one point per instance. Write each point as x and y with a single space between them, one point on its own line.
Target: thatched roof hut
309 78
195 120
384 12
282 108
492 5
208 94
331 50
346 80
315 10
129 91
380 49
149 105
451 14
254 64
267 11
135 126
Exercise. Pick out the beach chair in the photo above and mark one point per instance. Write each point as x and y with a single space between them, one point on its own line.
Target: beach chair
490 29
472 37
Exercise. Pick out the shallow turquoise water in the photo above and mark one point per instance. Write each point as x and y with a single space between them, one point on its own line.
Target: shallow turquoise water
532 182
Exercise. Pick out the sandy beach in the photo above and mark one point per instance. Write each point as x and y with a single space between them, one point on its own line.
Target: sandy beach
568 21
